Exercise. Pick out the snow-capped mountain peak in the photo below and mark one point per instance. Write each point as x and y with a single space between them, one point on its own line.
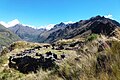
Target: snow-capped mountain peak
10 24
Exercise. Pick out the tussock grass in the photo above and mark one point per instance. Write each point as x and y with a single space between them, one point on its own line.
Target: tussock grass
85 65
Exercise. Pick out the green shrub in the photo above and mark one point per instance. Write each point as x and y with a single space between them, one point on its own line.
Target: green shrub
92 37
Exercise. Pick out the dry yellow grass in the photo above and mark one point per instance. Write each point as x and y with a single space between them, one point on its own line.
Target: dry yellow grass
80 66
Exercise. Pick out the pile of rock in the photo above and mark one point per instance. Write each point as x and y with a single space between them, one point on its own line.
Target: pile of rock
26 63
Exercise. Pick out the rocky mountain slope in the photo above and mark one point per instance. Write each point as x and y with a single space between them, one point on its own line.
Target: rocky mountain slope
97 25
83 28
35 35
26 33
6 37
43 37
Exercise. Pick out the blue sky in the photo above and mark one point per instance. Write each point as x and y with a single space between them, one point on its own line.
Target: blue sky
44 12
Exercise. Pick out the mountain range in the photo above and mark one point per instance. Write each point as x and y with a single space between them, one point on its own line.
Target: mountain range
97 25
82 28
26 33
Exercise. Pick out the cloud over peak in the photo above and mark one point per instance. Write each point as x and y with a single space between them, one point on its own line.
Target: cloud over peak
69 22
48 27
109 16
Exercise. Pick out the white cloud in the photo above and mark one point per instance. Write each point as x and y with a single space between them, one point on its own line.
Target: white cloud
30 26
48 27
69 22
109 16
10 24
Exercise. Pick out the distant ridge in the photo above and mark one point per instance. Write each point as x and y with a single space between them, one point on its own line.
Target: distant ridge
26 33
98 25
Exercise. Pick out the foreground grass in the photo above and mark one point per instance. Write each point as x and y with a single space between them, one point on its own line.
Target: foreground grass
86 66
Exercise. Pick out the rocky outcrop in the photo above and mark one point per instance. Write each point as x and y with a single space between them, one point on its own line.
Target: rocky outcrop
26 63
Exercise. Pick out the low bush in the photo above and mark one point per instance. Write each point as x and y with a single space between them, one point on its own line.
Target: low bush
92 37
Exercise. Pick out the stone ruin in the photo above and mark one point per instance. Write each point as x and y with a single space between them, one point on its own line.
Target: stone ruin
26 63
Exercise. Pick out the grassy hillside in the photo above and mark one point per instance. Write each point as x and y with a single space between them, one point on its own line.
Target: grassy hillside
6 36
94 58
